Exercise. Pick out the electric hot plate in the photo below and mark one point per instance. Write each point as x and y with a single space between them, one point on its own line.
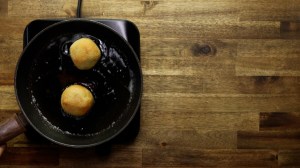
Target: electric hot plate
130 33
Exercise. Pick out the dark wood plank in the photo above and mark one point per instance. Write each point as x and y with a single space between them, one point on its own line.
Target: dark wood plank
290 26
289 158
290 29
279 121
268 140
118 156
3 7
162 157
33 156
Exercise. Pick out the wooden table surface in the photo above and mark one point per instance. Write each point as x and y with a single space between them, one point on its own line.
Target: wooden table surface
221 83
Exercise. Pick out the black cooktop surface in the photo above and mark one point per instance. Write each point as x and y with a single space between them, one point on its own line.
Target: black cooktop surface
124 28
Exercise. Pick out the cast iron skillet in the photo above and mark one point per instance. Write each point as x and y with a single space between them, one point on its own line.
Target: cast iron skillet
45 69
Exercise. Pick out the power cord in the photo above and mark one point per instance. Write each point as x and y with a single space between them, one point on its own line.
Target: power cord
78 14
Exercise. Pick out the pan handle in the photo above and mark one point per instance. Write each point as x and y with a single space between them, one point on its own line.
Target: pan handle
12 127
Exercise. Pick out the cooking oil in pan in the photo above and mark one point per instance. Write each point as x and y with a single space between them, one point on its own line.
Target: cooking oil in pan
110 82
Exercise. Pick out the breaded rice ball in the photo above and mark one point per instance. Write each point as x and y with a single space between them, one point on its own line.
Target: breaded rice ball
84 53
76 100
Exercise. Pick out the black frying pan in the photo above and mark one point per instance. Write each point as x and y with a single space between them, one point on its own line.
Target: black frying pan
45 69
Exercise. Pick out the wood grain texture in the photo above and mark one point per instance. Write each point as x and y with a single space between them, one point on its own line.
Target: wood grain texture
37 9
268 140
289 158
251 85
186 138
247 66
193 103
11 47
8 100
208 158
184 67
266 58
3 7
268 48
290 29
121 157
269 10
221 84
30 155
200 120
279 121
5 114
